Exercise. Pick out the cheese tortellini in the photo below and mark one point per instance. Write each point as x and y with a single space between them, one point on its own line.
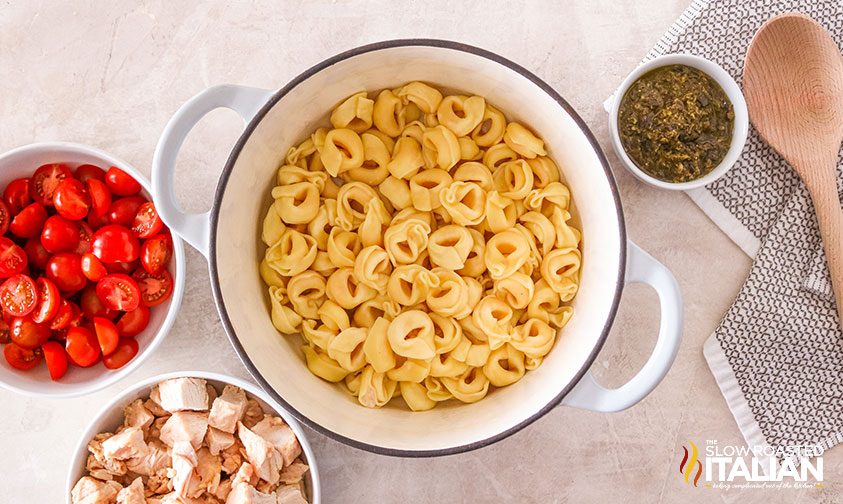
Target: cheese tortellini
423 247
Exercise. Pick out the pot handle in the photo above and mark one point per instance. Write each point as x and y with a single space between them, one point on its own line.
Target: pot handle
641 267
195 228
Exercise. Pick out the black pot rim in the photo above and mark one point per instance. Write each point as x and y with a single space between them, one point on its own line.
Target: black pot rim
223 182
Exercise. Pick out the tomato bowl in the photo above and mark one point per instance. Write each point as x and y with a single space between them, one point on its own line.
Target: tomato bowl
22 162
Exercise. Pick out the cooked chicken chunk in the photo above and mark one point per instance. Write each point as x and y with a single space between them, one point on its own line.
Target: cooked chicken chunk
218 440
180 394
93 491
254 413
261 454
279 435
290 494
228 409
223 490
136 415
127 444
208 471
185 426
182 473
294 472
132 494
156 459
243 493
245 474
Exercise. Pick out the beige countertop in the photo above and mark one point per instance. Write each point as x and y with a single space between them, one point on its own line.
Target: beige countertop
110 74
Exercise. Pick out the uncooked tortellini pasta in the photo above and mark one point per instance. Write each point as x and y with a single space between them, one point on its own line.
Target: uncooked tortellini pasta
422 246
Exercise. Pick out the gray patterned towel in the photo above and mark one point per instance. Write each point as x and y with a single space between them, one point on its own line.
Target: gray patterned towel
778 353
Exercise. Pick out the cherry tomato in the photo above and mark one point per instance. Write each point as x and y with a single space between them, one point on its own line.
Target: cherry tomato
124 210
100 197
155 289
21 358
37 254
92 306
65 270
122 267
106 333
13 259
49 301
147 223
5 218
126 350
88 171
96 221
16 195
134 322
115 243
119 292
29 221
86 234
71 199
56 358
18 295
28 334
121 183
59 234
92 268
156 253
5 334
66 313
82 346
46 180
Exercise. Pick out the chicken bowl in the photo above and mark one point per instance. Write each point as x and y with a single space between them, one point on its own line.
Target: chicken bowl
193 437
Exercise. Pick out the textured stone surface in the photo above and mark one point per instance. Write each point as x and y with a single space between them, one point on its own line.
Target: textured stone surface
110 74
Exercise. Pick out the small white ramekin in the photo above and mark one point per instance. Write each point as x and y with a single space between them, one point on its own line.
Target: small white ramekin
733 91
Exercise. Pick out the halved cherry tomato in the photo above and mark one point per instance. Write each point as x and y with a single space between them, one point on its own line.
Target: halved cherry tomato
21 358
100 197
67 312
92 268
119 292
18 295
29 334
56 358
121 183
82 346
29 221
88 171
16 195
5 218
123 210
147 223
86 234
126 350
134 322
13 259
155 289
49 301
71 199
60 234
106 333
156 253
37 254
92 306
115 243
45 181
65 270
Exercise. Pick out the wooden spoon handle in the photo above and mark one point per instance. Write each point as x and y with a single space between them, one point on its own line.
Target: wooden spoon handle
830 218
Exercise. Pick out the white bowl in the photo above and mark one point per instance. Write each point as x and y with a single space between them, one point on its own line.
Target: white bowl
111 416
22 162
733 91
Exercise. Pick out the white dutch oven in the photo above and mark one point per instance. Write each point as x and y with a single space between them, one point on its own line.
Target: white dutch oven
229 236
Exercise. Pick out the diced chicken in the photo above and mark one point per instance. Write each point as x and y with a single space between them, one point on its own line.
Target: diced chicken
245 474
136 415
127 444
254 413
294 472
182 473
218 440
231 458
290 494
279 435
180 394
153 406
208 472
157 425
223 490
228 409
93 491
185 426
153 461
110 465
132 494
261 454
243 493
212 393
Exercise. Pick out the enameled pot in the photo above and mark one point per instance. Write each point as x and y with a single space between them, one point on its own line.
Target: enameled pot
229 236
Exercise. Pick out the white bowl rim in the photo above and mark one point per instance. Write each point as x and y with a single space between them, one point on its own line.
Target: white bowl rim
109 377
740 129
249 387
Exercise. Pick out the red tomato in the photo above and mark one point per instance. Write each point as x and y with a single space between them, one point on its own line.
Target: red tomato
126 350
46 180
13 259
65 270
16 195
71 199
114 243
92 306
86 234
88 171
5 334
134 322
29 334
106 333
123 210
155 289
92 268
49 301
56 359
100 197
119 292
66 313
29 221
122 267
38 255
5 218
82 346
18 295
156 253
21 358
121 183
147 223
97 222
60 235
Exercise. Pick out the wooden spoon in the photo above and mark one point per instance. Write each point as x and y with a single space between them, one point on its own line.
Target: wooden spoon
793 82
